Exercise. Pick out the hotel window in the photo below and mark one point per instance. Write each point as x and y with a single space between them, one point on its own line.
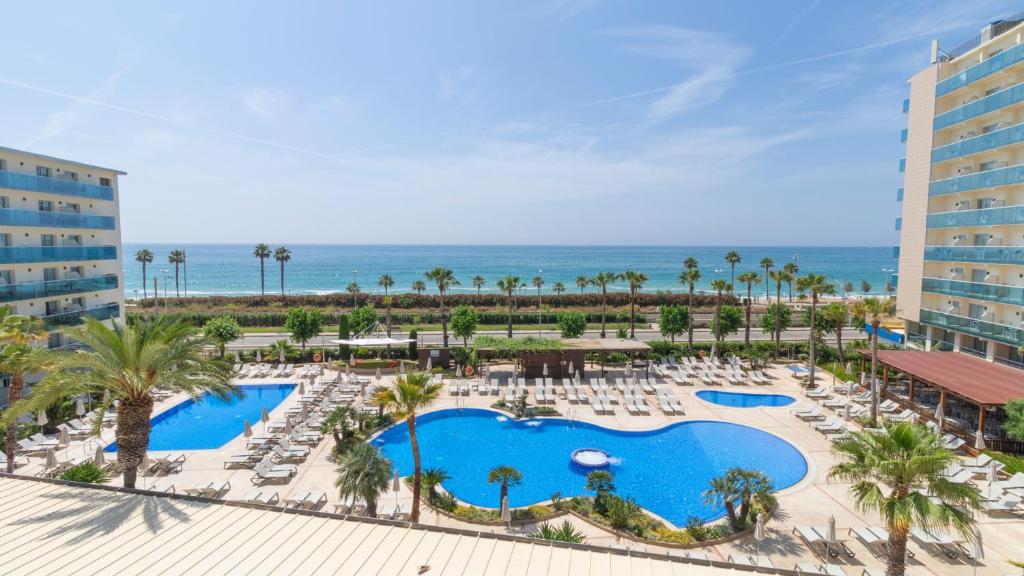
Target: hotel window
3 164
5 202
72 207
45 206
73 240
52 307
6 277
47 240
5 239
104 181
50 274
71 175
76 272
43 171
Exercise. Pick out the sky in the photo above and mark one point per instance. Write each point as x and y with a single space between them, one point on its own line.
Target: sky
479 122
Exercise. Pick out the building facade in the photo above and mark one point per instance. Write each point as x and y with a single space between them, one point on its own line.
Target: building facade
60 241
961 252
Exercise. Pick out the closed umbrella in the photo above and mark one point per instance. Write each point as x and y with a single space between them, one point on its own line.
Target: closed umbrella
377 376
80 407
305 413
830 533
545 370
939 414
849 392
264 417
579 378
714 349
351 359
64 438
41 418
99 459
51 458
247 429
629 369
758 535
430 364
571 368
506 513
280 356
864 380
259 356
993 472
396 485
979 440
302 388
977 549
846 414
287 426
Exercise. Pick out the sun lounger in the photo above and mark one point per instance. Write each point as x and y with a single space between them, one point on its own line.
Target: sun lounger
819 569
957 474
905 416
830 426
280 455
888 406
312 500
1015 482
260 497
266 471
1007 503
745 560
818 393
812 413
938 542
243 459
169 463
952 442
209 489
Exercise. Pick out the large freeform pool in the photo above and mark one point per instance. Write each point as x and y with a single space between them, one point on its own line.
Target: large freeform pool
665 470
210 422
744 399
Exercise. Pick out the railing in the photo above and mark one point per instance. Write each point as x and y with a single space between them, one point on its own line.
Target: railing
981 217
33 183
12 217
899 223
46 289
899 194
996 63
33 254
984 254
978 290
1011 135
903 136
906 105
980 107
978 180
71 318
903 165
1014 336
998 28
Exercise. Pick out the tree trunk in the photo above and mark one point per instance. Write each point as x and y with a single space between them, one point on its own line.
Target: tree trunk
604 295
778 318
177 291
839 341
132 435
416 476
896 563
184 273
389 312
504 493
632 314
874 380
718 316
730 511
282 278
263 291
746 333
371 507
11 437
510 315
444 321
689 322
144 294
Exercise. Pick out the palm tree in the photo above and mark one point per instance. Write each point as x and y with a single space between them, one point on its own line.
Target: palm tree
865 286
817 285
690 277
538 282
837 314
777 276
847 288
478 283
636 282
873 311
363 473
434 477
601 483
558 288
506 476
411 392
733 258
184 271
445 279
386 281
419 286
128 362
262 251
282 255
564 532
719 286
509 285
899 473
749 278
581 283
723 492
792 269
767 264
602 280
144 257
18 357
176 257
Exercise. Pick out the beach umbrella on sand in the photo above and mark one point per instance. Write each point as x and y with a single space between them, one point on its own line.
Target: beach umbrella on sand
51 458
41 418
64 438
99 458
506 513
80 407
247 429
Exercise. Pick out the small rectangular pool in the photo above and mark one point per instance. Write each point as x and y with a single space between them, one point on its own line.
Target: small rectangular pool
210 422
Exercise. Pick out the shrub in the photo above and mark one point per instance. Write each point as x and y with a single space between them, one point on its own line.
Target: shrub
666 534
565 532
87 472
572 324
221 330
412 345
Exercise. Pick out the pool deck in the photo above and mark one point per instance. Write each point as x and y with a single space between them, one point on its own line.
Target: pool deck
808 503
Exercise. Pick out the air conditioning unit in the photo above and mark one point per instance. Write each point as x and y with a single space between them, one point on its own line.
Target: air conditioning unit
969 134
964 170
961 205
994 240
992 278
959 239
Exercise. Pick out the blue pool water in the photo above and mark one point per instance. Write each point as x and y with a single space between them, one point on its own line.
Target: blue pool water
665 470
210 422
743 399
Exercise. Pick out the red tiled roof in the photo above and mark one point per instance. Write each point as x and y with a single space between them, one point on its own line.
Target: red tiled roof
973 378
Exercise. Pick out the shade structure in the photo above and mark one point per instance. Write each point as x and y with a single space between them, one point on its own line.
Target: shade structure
396 484
64 438
41 418
99 458
302 387
373 342
506 513
759 527
264 416
247 429
51 458
80 407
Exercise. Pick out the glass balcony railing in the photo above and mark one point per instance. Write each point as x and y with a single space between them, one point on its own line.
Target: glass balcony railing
32 254
983 254
894 280
899 223
983 217
980 107
899 194
104 312
995 139
47 289
1004 59
903 165
1014 336
978 290
906 105
903 136
977 181
895 251
34 183
11 217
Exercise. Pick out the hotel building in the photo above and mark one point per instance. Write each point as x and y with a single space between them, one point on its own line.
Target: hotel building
961 252
60 241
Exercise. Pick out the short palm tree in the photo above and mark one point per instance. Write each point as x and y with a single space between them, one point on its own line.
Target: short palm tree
444 278
509 285
564 532
837 314
176 257
363 473
601 483
419 286
792 269
506 476
733 258
412 392
434 477
865 286
602 280
144 257
386 282
722 492
719 286
847 288
19 356
749 278
636 282
817 286
478 283
873 311
558 288
262 251
767 264
690 277
582 282
899 473
128 362
282 255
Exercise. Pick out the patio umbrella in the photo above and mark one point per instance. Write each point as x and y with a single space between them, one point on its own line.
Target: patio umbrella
979 440
864 380
80 407
64 438
846 414
287 427
264 417
849 392
545 370
977 549
571 367
247 429
430 364
939 415
302 388
629 369
579 377
280 356
830 534
396 484
759 534
41 418
351 359
305 413
99 459
377 376
259 356
506 513
51 458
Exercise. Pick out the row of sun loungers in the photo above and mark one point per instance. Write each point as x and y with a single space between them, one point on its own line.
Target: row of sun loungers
264 370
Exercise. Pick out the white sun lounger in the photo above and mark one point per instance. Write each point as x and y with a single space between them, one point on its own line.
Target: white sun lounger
819 569
747 560
260 497
812 413
938 542
829 426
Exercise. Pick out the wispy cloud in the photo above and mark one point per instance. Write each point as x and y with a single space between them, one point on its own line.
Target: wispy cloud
794 22
58 123
262 102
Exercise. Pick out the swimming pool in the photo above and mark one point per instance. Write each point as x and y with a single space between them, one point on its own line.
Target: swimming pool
210 422
665 470
744 399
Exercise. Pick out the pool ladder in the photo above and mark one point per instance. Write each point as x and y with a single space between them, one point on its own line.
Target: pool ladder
570 415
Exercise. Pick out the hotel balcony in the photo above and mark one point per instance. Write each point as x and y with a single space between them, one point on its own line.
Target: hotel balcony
980 107
34 254
72 317
47 289
978 180
12 217
1000 61
1007 215
1014 336
995 139
33 183
1012 255
1013 295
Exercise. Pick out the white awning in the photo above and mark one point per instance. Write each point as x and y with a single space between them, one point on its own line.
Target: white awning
370 342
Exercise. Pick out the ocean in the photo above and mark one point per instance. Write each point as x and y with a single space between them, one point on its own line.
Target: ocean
317 269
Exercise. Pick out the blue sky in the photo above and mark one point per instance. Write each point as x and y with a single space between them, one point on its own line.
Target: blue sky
551 122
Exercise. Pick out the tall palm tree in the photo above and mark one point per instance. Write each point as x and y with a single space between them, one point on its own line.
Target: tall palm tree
899 473
363 473
636 282
778 277
792 269
602 280
444 278
386 281
19 357
749 278
176 257
144 257
130 361
411 392
509 285
837 314
262 251
558 288
582 282
690 276
767 264
282 255
719 286
478 283
847 288
184 271
816 285
538 283
506 476
873 311
733 258
419 286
